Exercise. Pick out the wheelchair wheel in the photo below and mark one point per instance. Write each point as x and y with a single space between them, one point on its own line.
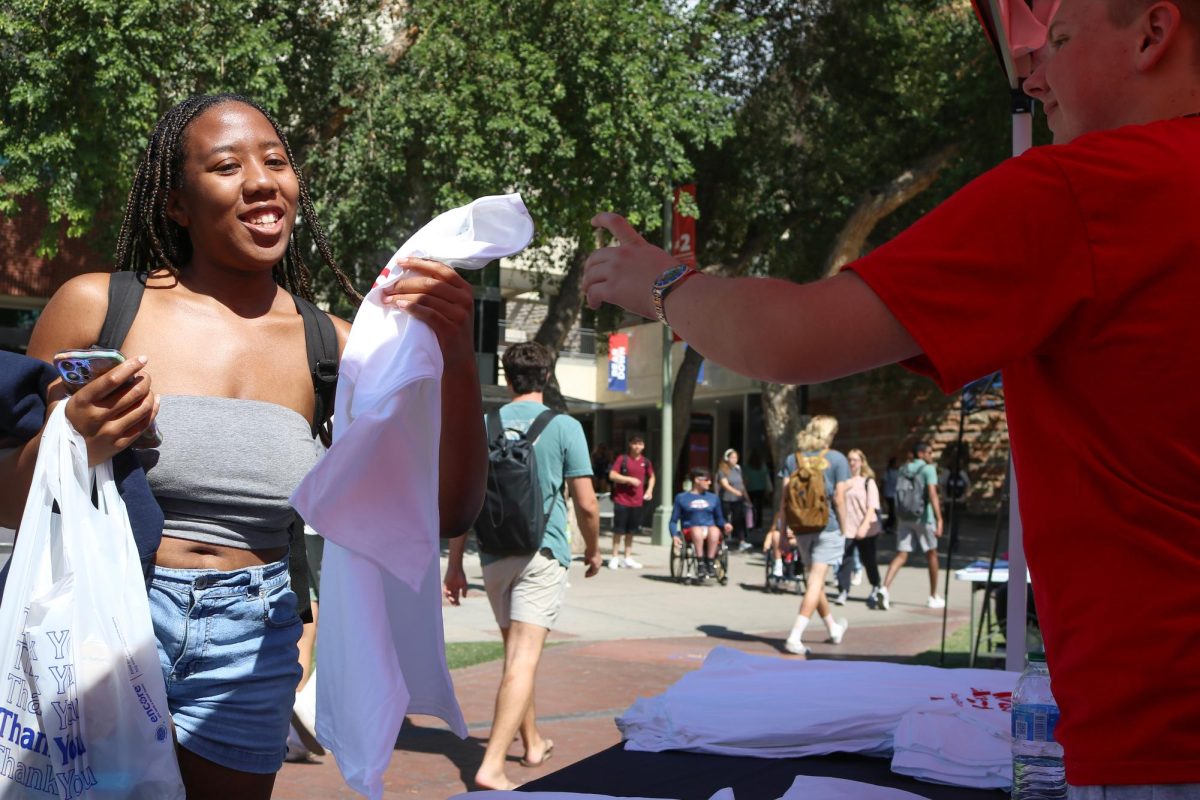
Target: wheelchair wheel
721 564
678 557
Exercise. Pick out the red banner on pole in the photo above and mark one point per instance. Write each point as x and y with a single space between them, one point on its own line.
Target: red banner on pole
683 228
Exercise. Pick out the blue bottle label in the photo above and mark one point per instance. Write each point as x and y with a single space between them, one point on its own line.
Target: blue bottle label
1034 722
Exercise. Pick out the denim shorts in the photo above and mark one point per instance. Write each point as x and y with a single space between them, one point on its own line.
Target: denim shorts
227 644
826 547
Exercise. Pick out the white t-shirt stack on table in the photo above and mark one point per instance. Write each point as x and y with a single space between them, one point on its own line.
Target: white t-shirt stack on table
768 707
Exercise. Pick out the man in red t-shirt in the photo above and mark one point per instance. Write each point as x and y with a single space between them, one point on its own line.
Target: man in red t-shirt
1075 269
632 478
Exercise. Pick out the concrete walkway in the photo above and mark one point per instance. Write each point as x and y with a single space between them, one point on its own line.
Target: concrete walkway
626 634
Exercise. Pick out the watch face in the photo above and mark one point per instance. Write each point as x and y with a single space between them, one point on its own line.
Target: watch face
670 275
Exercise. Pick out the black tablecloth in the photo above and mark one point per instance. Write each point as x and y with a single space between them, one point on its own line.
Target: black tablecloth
697 776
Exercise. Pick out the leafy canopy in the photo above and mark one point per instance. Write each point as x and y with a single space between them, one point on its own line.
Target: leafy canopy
395 110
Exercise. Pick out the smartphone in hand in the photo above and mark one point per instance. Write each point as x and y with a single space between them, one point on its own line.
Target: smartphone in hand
78 368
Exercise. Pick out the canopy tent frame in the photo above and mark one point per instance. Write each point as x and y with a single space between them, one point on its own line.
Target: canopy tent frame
994 16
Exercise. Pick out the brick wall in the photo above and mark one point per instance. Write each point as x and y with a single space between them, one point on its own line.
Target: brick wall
23 273
885 411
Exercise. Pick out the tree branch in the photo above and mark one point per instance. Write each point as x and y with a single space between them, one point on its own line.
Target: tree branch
880 201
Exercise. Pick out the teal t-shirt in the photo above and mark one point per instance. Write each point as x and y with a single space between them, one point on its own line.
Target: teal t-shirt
562 453
931 479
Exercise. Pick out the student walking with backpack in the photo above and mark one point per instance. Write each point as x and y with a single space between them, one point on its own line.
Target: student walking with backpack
919 511
814 506
525 545
632 477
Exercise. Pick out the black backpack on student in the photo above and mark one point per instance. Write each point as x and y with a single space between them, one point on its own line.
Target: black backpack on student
512 521
911 492
125 291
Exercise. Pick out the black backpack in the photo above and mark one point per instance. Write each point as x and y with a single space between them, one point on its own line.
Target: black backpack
512 521
125 290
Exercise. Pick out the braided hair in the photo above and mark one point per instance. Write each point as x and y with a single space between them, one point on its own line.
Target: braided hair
151 240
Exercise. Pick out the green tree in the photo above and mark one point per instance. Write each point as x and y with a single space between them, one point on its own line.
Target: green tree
854 117
395 109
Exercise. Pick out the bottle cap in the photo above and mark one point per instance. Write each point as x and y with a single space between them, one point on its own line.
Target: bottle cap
1037 657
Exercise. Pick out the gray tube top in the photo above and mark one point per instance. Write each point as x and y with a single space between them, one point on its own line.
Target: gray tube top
226 468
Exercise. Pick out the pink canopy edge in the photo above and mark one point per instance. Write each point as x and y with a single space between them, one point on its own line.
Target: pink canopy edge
1020 29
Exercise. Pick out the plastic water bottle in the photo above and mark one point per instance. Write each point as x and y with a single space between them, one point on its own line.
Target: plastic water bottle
1038 772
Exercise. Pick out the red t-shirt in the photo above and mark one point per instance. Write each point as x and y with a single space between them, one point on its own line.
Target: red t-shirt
1076 270
624 494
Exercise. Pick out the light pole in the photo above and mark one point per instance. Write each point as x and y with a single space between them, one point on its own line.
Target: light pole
666 469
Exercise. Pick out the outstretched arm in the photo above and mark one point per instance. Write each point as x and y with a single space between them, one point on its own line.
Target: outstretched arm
820 342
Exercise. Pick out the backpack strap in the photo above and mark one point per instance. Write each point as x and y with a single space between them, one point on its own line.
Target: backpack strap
320 340
539 424
125 291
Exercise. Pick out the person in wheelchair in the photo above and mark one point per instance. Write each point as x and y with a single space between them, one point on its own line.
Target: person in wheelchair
697 515
782 554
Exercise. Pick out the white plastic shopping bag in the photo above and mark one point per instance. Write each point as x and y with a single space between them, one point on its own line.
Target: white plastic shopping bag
83 710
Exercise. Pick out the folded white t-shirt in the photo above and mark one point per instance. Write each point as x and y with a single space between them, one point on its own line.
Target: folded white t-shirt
771 707
960 746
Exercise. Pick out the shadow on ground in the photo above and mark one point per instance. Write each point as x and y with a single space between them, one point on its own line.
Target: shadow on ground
721 632
465 754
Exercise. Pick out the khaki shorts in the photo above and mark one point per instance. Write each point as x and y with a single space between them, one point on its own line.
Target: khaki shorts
911 532
526 589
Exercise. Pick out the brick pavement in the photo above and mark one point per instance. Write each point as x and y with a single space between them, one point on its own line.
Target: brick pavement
626 634
582 686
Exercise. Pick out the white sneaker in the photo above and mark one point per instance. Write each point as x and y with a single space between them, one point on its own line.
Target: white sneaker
304 717
838 630
935 602
744 546
885 599
614 563
297 753
777 568
842 598
629 563
796 647
857 578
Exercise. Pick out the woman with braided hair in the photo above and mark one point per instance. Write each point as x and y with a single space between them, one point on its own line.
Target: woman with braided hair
209 230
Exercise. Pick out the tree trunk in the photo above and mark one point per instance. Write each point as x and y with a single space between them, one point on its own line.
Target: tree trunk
781 418
682 395
879 202
562 311
781 409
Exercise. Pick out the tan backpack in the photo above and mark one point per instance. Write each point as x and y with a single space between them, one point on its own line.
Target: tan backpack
806 505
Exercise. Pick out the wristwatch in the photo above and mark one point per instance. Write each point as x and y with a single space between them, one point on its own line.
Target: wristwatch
667 283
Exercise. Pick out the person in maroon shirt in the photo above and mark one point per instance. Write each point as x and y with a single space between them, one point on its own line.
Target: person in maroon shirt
1073 269
632 478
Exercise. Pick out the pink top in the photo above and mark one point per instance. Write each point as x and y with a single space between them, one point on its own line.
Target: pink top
862 495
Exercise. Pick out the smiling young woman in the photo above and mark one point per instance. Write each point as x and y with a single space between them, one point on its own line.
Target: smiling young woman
209 231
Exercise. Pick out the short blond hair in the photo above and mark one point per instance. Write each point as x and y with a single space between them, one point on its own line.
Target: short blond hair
818 433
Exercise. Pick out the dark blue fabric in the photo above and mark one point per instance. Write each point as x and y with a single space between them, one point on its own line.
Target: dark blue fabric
696 511
23 382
